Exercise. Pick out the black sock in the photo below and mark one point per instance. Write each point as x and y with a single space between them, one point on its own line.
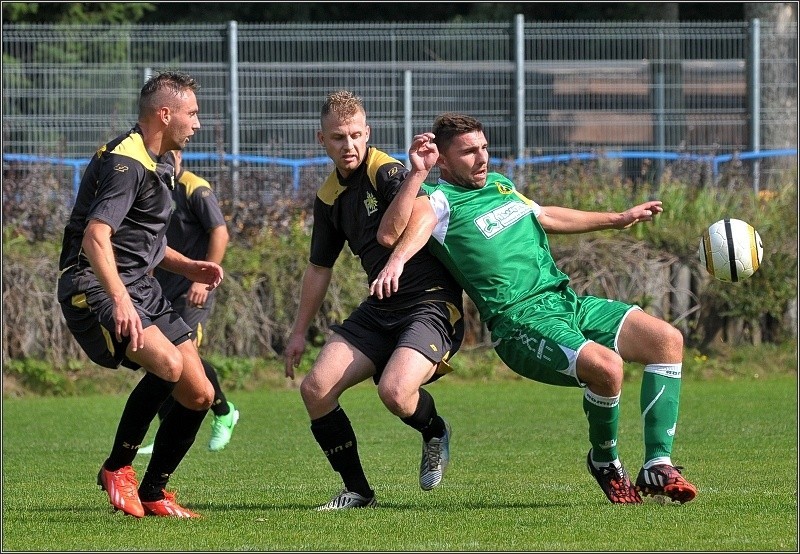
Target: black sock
166 406
175 436
336 437
425 419
153 486
220 405
140 410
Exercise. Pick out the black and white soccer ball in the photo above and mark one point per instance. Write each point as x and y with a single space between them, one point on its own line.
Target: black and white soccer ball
731 250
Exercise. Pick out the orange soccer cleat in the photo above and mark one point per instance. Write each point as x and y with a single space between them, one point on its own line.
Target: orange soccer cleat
121 486
168 507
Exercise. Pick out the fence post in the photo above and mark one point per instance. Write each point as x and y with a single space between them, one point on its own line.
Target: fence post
233 104
520 62
753 65
407 111
660 107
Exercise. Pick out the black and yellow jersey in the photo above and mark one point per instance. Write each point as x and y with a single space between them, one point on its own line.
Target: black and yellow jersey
128 188
350 210
195 212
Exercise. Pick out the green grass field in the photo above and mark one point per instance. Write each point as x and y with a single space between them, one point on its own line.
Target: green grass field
517 480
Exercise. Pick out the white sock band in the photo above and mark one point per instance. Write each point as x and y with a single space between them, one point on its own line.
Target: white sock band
602 401
667 370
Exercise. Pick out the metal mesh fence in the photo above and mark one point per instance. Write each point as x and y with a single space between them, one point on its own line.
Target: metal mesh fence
644 86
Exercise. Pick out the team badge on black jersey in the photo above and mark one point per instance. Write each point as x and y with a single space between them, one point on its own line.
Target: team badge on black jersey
371 203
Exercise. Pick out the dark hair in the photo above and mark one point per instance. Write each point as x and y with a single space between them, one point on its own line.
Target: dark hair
162 87
449 125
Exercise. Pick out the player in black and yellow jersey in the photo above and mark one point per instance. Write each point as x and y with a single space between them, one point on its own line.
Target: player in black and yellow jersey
402 342
197 230
115 308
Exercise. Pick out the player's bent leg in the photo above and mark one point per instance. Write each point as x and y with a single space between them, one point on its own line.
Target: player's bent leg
338 367
193 390
193 394
400 390
646 339
159 356
658 345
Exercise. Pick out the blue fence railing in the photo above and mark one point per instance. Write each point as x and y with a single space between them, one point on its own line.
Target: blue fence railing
714 161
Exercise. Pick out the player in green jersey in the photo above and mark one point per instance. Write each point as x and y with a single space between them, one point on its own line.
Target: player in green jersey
493 240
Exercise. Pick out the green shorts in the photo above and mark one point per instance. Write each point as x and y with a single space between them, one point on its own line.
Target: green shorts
541 340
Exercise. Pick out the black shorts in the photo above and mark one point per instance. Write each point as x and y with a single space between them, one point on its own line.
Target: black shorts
90 319
193 316
435 329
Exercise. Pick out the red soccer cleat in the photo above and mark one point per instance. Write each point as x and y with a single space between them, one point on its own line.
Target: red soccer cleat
615 482
664 480
121 486
168 507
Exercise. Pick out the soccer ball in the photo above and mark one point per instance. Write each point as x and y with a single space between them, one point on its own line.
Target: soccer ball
730 250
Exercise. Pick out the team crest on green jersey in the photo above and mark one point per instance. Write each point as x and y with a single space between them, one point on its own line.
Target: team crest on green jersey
504 188
501 218
371 203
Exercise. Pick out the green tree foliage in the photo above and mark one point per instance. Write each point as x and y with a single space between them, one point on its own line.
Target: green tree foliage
77 13
326 12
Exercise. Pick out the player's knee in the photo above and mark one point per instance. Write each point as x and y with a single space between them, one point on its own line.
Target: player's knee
394 400
172 366
611 373
666 345
310 390
207 395
199 391
602 371
200 398
673 341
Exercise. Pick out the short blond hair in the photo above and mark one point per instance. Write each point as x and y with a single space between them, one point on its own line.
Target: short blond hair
344 104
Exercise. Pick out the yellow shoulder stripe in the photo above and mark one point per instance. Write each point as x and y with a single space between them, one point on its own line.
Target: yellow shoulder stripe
133 147
192 182
330 189
376 160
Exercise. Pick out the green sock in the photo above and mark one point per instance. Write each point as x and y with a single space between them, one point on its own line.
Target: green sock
603 415
660 396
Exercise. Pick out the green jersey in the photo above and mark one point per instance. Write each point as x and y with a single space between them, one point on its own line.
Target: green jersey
492 243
